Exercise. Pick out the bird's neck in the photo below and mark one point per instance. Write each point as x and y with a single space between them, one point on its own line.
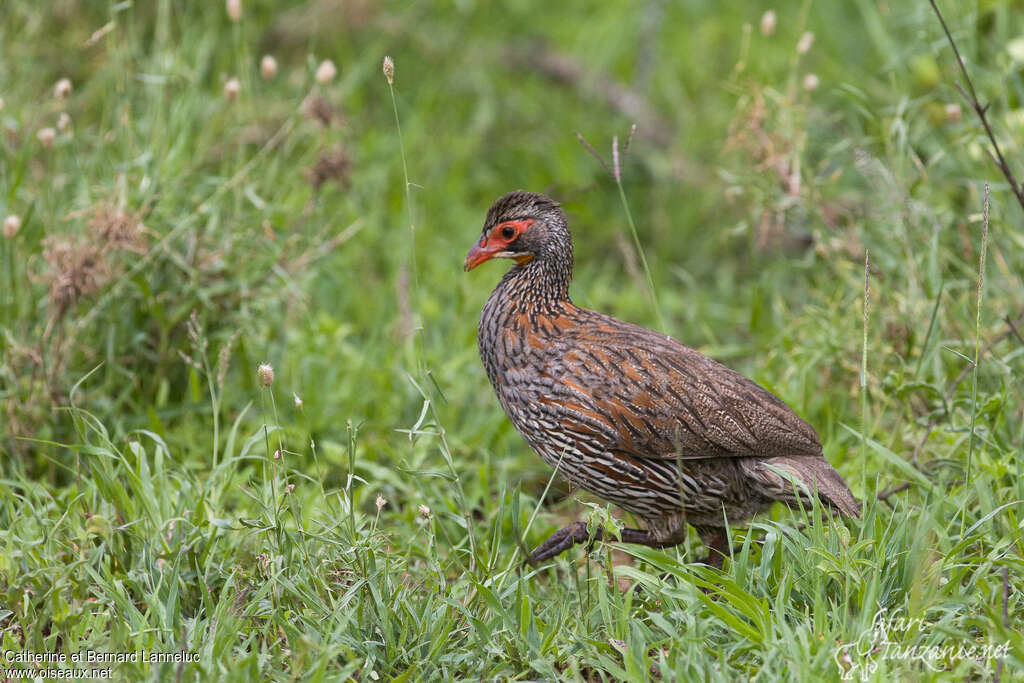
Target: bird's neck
538 285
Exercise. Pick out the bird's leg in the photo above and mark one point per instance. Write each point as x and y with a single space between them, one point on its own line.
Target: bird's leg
665 532
717 543
562 540
577 532
649 538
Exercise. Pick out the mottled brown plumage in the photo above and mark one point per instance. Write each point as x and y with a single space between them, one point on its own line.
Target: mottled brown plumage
627 413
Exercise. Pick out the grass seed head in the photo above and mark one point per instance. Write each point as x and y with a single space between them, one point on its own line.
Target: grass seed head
47 136
12 224
268 67
333 165
317 108
768 21
234 10
326 72
811 82
223 358
381 502
195 332
77 270
389 70
64 122
112 226
265 373
806 41
232 88
62 90
424 511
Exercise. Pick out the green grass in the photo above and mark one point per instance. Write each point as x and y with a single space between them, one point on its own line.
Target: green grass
154 497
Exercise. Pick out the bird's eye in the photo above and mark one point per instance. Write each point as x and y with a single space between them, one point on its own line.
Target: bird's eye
508 232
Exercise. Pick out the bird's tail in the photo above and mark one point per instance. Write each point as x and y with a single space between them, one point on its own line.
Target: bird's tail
790 478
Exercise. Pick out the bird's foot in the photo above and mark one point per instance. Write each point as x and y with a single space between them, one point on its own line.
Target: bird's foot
562 540
714 559
717 543
577 532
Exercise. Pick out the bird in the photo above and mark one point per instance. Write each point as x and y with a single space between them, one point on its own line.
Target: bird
630 414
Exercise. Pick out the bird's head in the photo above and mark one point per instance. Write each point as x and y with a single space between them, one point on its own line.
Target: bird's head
526 227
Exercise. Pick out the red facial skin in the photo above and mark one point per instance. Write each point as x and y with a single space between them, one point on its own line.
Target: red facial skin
495 245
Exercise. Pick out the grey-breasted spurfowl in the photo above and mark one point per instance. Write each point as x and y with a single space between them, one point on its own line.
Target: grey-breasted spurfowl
627 413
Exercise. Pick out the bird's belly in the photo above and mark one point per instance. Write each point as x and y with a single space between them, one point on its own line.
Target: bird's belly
648 488
649 493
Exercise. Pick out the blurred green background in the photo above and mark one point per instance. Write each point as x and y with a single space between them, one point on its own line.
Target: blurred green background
751 192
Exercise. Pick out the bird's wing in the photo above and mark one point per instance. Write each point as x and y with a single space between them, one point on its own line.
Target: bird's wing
645 394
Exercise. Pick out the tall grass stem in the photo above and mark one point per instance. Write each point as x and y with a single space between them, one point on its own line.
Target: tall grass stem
977 333
866 306
423 368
